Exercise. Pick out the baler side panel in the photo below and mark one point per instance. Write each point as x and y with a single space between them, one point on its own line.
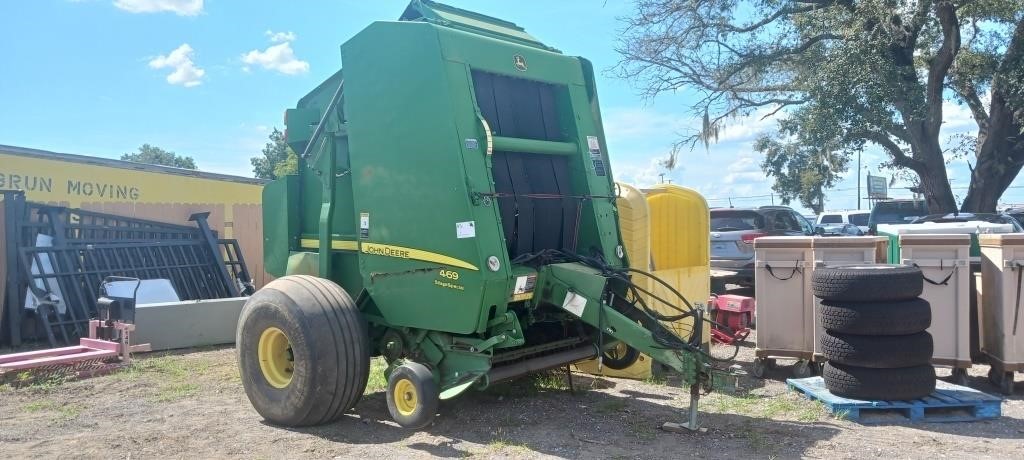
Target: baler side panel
409 179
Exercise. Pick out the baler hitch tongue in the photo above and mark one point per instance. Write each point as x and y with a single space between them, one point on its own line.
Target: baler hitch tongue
580 290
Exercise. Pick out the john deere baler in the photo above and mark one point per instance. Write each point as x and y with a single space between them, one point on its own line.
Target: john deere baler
453 212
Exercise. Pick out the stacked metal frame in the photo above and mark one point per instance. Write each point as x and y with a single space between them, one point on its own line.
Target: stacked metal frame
85 247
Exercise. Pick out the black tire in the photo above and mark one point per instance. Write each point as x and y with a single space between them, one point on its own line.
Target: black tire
879 384
328 343
620 356
877 351
422 395
876 318
867 283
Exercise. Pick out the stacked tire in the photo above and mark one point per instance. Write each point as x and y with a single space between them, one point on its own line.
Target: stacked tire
874 331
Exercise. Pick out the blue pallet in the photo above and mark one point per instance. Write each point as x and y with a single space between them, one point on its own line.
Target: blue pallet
949 403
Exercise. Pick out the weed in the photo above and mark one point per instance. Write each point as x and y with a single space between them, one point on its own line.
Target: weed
378 381
550 381
612 406
502 442
68 412
176 391
37 406
640 427
60 412
774 407
841 414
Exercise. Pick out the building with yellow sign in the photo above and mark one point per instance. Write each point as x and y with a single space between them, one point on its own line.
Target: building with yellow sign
139 190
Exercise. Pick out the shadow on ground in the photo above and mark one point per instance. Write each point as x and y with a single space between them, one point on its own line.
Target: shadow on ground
525 417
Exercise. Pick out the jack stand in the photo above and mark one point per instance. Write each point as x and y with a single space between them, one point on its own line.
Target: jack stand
691 425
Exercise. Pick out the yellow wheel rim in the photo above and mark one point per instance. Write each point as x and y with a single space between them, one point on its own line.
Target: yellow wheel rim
276 359
405 396
618 351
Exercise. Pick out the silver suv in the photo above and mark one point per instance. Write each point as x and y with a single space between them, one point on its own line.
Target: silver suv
733 231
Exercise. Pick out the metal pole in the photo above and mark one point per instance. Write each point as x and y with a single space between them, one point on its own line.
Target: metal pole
858 180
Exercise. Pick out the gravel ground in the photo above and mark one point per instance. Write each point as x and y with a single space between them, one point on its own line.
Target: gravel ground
191 404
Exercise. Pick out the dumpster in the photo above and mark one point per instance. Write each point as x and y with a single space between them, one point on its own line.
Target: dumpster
847 250
944 261
973 228
1002 336
784 316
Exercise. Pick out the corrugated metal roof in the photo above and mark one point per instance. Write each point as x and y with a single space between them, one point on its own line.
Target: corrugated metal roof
121 164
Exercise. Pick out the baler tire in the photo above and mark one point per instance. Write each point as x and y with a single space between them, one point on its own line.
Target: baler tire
876 318
412 395
623 357
877 351
879 384
327 344
867 283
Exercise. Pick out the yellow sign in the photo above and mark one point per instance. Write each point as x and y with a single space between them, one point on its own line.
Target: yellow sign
79 181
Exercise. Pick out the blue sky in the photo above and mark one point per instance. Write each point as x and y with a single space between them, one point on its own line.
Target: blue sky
210 78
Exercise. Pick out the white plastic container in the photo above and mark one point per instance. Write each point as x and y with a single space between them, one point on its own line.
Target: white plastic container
785 314
841 250
1001 313
944 261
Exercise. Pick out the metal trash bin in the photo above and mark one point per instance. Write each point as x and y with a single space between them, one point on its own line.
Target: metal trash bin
784 316
845 250
1002 334
944 261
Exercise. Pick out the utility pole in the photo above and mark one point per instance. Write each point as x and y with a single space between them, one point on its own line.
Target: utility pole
858 180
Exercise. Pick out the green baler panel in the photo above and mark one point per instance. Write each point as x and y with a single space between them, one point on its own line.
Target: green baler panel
416 215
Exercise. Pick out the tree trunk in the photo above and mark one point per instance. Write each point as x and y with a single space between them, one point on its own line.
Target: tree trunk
999 159
935 183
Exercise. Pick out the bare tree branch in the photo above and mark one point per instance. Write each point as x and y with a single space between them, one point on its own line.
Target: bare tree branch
942 62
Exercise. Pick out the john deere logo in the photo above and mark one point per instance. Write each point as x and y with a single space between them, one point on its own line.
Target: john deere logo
520 62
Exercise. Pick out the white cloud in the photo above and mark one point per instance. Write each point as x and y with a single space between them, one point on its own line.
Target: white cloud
280 37
279 57
185 71
179 7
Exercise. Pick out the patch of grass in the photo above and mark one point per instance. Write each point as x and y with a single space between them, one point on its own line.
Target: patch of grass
175 375
176 391
551 381
68 412
502 442
611 406
841 414
377 381
36 406
771 407
60 412
640 427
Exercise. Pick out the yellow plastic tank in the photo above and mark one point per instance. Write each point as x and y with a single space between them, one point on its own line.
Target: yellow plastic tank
680 248
665 230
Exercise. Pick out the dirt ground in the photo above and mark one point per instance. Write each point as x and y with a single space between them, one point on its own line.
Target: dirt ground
191 404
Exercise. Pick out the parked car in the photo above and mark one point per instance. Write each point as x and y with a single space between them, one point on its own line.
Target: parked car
896 212
838 230
1016 212
733 231
991 218
858 218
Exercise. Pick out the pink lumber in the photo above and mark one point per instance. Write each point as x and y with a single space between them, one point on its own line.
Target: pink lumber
65 359
100 344
41 353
